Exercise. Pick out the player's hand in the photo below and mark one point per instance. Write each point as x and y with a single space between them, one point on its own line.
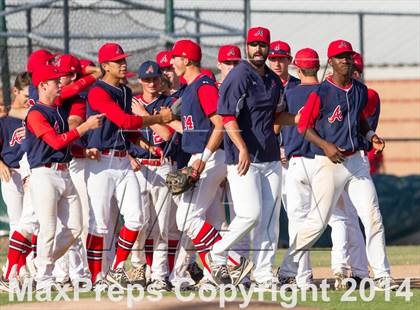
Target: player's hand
244 162
21 132
94 121
5 173
378 144
198 165
156 151
333 153
283 158
93 154
138 108
135 164
166 115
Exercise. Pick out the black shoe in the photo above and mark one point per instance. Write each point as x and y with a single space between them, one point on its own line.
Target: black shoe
118 276
219 273
237 273
196 273
159 286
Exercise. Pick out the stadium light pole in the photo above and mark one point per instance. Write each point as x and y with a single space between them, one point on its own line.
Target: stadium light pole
4 58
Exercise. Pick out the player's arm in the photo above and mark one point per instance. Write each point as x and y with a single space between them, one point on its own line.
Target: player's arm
377 143
208 96
306 124
163 131
77 114
39 126
5 174
80 85
102 102
234 133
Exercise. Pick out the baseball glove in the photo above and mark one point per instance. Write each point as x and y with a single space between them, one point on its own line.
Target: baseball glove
181 180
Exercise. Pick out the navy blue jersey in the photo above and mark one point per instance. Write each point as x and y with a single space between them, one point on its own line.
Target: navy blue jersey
110 136
254 100
291 83
195 123
11 144
148 133
295 143
339 116
39 153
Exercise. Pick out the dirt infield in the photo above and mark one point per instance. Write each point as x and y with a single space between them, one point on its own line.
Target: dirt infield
167 303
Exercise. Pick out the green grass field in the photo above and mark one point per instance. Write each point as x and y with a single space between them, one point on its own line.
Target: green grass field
398 255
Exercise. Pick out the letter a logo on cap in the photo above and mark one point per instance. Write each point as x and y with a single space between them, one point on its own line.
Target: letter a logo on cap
150 69
164 59
277 48
231 52
259 33
343 45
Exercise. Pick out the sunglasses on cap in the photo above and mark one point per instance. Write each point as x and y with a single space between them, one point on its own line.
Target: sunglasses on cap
256 43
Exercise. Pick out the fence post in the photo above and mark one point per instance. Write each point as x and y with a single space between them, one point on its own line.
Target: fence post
4 58
197 24
247 19
361 37
29 30
169 21
66 28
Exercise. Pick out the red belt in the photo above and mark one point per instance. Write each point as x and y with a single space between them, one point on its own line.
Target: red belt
151 162
295 156
58 166
115 153
348 153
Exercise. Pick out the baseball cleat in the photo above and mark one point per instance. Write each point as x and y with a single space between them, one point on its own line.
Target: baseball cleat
339 283
158 285
196 273
238 273
219 273
138 275
385 283
268 286
100 285
286 280
119 277
4 285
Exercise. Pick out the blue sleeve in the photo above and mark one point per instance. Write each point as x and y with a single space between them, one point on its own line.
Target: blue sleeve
232 93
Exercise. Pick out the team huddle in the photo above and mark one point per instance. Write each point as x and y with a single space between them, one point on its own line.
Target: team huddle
84 166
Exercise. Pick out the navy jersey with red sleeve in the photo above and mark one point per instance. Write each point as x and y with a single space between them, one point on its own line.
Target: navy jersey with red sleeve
373 109
254 100
291 83
11 144
196 124
33 94
152 137
115 102
335 114
38 151
295 143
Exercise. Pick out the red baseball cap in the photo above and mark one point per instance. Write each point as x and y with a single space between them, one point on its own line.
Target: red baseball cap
306 58
68 63
229 52
259 34
187 49
85 63
279 49
111 52
339 47
358 62
39 58
45 73
164 59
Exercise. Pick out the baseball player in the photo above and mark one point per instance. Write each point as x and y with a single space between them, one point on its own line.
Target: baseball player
12 133
152 175
335 129
47 145
250 97
201 131
112 176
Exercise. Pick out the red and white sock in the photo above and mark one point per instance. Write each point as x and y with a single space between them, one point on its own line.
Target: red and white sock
34 242
18 245
125 244
94 251
205 239
148 252
172 246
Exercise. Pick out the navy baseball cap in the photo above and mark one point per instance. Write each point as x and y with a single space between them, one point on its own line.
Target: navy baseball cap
149 69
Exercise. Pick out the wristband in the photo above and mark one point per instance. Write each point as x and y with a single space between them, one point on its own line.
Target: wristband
369 135
206 155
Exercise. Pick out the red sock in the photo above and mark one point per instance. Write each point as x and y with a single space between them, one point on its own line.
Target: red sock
172 246
125 244
34 242
94 250
148 252
22 259
205 239
17 246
